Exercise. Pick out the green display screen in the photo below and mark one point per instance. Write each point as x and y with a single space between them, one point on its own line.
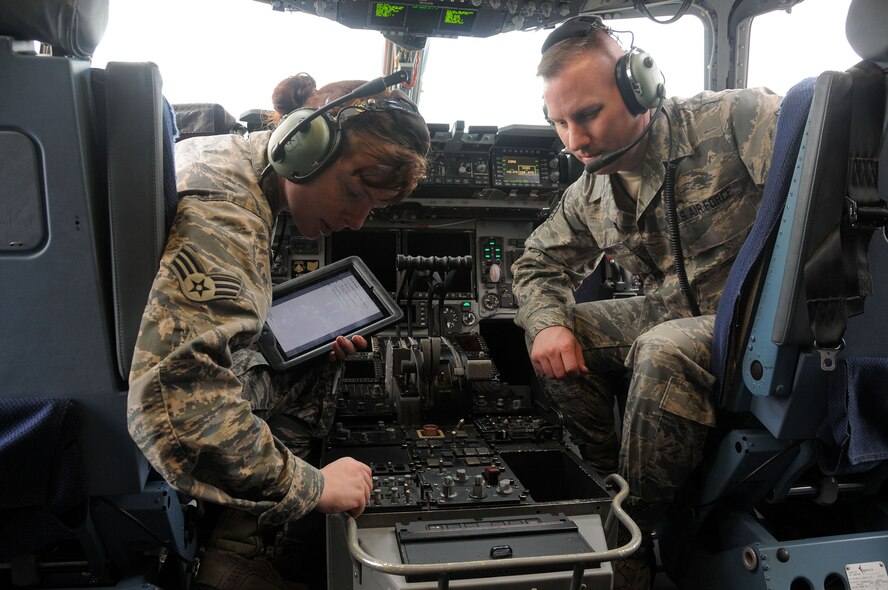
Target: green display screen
386 15
457 19
421 18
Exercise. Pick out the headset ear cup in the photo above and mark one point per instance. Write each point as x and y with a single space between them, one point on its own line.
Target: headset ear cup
309 151
639 81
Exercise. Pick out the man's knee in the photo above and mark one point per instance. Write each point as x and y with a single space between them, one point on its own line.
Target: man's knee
676 347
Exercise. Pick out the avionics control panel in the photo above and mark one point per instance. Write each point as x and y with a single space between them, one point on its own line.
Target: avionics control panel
524 169
517 161
439 466
466 466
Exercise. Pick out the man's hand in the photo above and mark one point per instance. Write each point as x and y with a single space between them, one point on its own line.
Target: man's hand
342 347
347 485
557 354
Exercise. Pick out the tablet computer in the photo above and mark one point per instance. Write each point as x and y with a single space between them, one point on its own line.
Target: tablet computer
309 312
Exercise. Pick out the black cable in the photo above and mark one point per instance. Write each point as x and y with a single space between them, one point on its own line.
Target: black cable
672 226
399 289
166 544
641 6
277 242
434 281
750 475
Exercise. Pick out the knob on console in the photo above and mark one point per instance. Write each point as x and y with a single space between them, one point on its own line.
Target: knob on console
492 474
504 488
449 488
478 489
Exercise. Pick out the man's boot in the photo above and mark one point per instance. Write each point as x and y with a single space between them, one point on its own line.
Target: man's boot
636 572
235 557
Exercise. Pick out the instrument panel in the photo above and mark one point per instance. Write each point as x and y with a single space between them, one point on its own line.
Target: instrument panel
444 407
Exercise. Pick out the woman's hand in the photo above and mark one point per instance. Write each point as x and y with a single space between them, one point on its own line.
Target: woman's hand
347 485
342 347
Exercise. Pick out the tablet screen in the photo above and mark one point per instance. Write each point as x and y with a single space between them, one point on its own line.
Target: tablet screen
333 307
307 313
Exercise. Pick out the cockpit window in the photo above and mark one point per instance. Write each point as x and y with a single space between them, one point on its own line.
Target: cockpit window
786 47
233 52
492 81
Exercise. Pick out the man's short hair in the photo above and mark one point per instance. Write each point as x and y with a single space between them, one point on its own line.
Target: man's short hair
558 56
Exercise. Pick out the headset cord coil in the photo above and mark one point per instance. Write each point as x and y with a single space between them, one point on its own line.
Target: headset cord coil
672 225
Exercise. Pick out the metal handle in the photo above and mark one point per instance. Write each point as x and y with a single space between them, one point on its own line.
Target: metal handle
445 569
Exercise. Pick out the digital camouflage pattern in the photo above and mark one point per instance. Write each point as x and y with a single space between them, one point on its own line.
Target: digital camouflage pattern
198 388
722 143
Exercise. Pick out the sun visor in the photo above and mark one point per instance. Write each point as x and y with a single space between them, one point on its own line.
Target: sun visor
72 27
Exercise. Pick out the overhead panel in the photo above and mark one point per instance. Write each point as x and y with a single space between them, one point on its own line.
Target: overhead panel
440 18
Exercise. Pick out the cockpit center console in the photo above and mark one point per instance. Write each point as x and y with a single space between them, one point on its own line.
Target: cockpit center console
472 476
466 467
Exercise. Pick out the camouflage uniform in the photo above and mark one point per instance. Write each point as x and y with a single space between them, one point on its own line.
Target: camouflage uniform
722 144
198 388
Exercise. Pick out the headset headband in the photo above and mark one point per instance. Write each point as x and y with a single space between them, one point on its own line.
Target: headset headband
394 101
575 28
375 86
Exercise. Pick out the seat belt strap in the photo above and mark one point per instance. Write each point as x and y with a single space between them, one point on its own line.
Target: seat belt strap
837 277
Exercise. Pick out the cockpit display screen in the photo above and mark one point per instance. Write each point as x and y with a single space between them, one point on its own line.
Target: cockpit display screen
457 19
520 170
388 16
421 19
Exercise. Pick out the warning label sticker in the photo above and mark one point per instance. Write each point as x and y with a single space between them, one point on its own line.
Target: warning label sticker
867 576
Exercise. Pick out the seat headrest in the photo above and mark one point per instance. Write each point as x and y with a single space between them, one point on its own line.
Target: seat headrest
865 29
203 118
73 26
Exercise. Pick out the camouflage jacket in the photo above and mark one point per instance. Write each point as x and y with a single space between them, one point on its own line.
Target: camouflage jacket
722 144
188 408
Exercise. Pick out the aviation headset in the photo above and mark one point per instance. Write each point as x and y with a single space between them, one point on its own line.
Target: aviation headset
638 76
308 140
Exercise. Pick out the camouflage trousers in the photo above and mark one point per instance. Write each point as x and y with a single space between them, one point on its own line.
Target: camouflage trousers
669 408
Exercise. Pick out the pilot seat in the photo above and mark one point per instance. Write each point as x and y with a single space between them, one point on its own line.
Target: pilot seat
791 493
86 189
